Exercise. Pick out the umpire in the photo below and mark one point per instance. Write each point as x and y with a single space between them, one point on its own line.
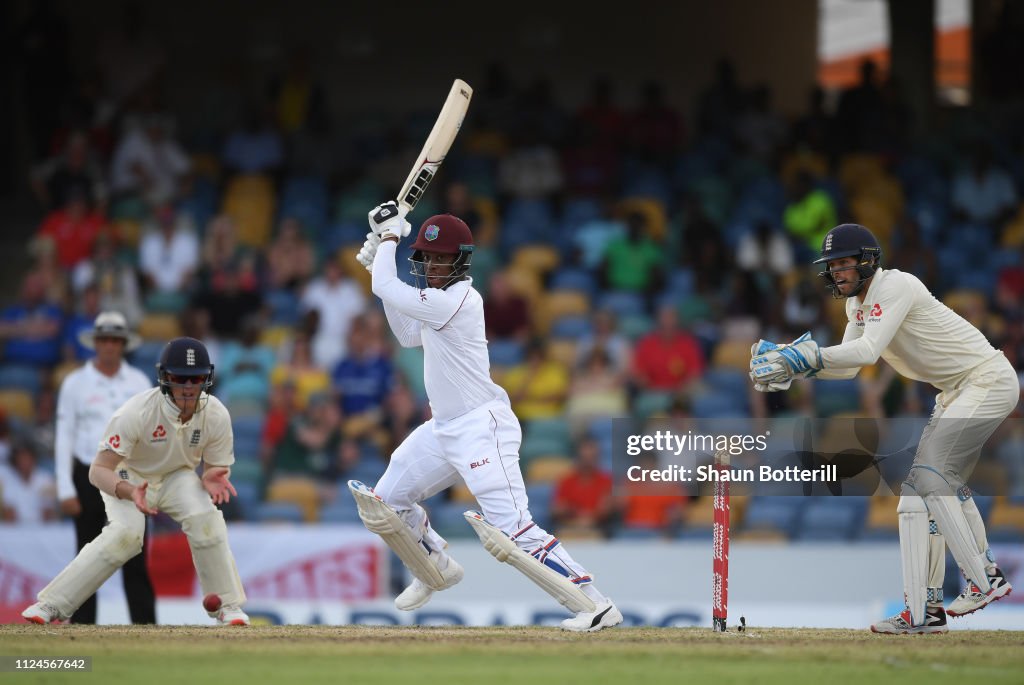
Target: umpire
88 397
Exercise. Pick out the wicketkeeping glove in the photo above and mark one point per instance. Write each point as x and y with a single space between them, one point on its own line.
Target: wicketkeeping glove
389 219
369 250
773 367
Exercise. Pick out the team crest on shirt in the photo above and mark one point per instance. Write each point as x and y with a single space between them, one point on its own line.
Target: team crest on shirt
114 441
432 232
123 473
194 441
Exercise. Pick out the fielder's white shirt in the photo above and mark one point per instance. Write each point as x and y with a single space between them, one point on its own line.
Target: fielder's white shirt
899 320
449 324
85 403
153 443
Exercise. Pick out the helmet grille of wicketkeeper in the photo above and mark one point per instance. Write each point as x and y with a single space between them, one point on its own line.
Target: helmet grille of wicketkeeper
444 234
184 358
850 240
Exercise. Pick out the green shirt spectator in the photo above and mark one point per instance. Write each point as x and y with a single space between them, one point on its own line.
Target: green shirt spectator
633 262
810 214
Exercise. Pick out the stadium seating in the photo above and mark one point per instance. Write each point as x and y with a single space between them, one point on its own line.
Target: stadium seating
278 512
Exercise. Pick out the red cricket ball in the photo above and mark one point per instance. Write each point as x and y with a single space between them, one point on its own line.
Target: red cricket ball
211 602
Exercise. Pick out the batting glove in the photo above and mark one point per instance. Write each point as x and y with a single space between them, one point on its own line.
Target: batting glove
369 251
389 219
774 366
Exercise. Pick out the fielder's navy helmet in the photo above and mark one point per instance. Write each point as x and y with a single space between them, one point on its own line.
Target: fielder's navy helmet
183 359
850 240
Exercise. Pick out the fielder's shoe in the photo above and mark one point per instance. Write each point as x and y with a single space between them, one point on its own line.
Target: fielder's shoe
419 593
934 622
605 616
232 616
972 598
42 614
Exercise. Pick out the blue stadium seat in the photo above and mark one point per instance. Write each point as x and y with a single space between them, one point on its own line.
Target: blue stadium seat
719 405
621 303
780 514
145 356
726 380
540 495
19 377
342 510
283 305
571 327
506 352
278 512
574 279
837 396
579 211
832 518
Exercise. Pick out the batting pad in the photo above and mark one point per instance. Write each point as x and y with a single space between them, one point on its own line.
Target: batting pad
208 539
915 541
502 548
949 514
381 519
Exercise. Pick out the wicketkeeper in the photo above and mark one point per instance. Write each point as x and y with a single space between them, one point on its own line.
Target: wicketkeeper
892 315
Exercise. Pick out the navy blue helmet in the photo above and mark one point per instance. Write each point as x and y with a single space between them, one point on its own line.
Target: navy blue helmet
850 240
184 360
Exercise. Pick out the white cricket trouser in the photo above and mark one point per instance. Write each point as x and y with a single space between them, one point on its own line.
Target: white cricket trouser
482 448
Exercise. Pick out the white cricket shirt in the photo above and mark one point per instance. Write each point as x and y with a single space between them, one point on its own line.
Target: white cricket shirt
900 321
449 324
147 434
85 403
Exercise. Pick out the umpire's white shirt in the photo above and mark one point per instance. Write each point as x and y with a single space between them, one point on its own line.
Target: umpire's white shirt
85 403
899 320
449 324
146 433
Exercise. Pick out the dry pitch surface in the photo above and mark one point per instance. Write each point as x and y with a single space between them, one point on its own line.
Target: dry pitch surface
489 656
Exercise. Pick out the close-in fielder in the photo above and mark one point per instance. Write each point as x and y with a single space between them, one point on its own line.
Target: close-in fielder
892 315
473 435
147 462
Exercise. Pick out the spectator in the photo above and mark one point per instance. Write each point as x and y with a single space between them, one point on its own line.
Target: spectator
246 365
604 335
655 129
290 258
633 263
74 173
229 285
859 112
597 390
297 99
169 252
984 194
73 229
81 321
116 281
759 130
531 169
31 327
667 358
148 163
5 437
583 498
401 415
651 505
256 146
809 215
365 376
506 312
337 299
307 377
539 386
29 494
765 249
310 443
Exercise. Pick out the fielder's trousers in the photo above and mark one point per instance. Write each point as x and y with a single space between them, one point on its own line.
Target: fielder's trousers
88 524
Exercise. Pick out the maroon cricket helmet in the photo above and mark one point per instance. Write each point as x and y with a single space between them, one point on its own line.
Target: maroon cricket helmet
444 234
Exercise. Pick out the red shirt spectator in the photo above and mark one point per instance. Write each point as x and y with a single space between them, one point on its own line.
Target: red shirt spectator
668 357
583 497
73 230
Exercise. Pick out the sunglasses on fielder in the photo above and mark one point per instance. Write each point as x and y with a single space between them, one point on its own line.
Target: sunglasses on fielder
184 380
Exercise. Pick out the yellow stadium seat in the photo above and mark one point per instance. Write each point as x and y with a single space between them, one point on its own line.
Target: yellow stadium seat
732 354
128 231
275 336
486 232
159 327
652 210
18 403
525 282
882 513
857 169
548 469
352 268
1006 515
556 304
579 533
563 351
297 490
249 201
461 493
539 258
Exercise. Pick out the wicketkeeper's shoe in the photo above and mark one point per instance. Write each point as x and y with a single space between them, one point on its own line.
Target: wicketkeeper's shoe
232 616
934 622
42 614
605 616
972 598
419 593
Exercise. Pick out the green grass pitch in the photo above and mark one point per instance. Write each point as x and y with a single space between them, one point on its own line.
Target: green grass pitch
344 655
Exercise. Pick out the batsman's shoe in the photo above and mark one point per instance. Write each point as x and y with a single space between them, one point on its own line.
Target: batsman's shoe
606 616
934 622
232 616
42 614
972 598
419 593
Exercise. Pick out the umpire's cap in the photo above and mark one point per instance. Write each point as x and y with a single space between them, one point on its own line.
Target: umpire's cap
110 325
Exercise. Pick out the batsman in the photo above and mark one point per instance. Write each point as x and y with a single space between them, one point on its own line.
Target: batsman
892 315
473 435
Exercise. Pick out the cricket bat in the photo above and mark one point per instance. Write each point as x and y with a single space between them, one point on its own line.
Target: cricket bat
440 140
